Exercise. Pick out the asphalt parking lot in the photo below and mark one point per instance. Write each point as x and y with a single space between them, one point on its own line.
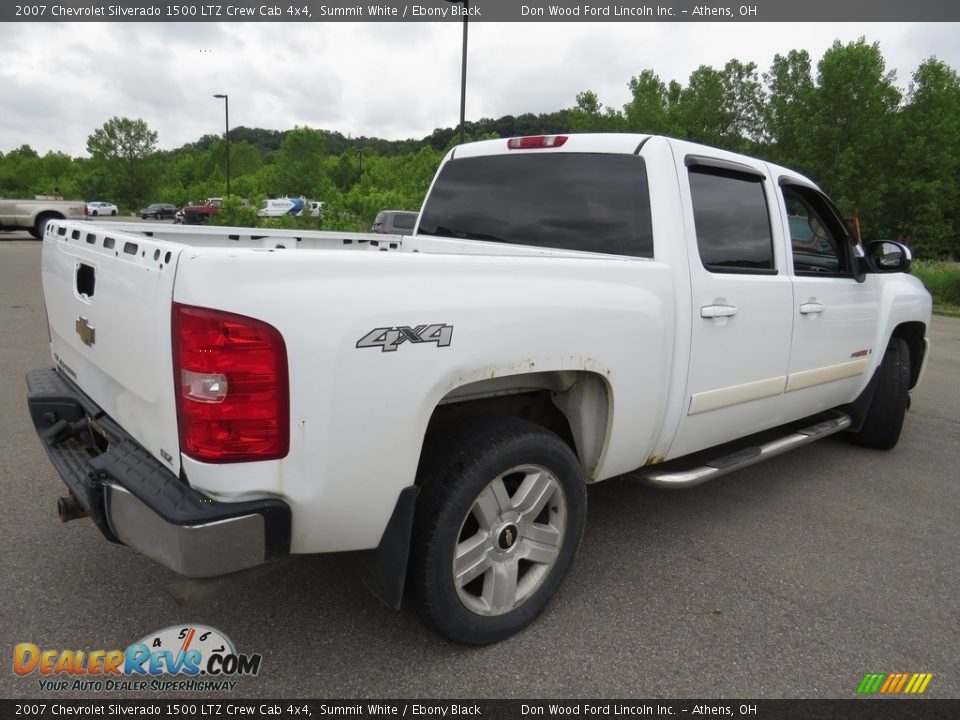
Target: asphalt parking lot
791 578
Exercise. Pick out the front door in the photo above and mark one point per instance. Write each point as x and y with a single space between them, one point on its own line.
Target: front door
834 313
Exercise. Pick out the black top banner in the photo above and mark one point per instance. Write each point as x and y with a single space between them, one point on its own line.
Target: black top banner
304 11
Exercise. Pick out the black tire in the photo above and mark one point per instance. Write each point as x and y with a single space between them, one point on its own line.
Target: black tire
40 226
93 213
884 420
113 212
524 550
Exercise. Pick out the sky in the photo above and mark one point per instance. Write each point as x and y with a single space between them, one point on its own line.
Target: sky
61 81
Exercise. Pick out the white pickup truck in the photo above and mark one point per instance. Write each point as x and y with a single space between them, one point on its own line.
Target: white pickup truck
570 309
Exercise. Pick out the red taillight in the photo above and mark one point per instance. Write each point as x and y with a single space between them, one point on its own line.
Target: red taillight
532 142
230 374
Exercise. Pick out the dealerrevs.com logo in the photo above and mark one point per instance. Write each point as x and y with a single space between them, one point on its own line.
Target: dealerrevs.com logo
181 658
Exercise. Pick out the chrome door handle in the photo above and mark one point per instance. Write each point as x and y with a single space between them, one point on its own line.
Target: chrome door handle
716 311
812 308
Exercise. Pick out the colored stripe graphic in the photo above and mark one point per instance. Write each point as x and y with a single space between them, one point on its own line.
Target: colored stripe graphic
894 683
871 682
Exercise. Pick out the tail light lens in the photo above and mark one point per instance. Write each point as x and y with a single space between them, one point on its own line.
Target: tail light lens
233 395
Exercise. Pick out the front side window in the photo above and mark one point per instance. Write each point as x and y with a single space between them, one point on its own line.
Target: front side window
816 236
732 221
569 201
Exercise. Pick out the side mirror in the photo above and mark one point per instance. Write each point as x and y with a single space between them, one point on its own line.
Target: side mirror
887 256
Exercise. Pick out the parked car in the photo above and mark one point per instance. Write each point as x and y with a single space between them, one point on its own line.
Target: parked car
96 207
395 222
158 211
572 308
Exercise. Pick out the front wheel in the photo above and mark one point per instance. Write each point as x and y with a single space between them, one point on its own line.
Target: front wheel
884 420
499 518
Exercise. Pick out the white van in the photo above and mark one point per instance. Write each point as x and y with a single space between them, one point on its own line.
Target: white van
289 206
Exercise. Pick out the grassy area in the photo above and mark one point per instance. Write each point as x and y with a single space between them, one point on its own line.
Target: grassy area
943 281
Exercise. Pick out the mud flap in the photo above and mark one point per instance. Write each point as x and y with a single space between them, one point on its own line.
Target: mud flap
384 569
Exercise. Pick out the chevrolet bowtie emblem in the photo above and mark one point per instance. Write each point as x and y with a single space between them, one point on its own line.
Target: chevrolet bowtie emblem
87 333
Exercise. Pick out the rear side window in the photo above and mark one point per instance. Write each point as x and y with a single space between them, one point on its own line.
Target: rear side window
570 201
732 221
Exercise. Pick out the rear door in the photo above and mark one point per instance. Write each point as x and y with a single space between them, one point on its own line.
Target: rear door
741 301
108 297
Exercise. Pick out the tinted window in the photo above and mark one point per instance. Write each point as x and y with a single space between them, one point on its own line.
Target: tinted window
404 221
816 234
569 201
732 221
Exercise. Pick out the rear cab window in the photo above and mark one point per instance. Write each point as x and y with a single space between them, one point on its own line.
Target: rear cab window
589 202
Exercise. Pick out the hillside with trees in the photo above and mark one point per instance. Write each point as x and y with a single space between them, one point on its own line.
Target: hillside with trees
891 154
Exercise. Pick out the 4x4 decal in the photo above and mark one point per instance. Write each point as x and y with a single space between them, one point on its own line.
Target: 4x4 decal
388 339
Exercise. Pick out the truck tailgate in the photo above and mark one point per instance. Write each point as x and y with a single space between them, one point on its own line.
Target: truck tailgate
108 296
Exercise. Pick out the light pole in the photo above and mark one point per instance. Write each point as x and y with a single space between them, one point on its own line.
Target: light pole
226 110
463 64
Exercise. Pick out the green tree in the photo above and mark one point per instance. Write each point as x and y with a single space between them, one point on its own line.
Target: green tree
789 108
721 108
648 110
853 132
928 191
21 173
298 167
589 115
123 147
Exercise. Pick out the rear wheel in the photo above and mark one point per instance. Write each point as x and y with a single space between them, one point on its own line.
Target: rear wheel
499 518
884 421
113 212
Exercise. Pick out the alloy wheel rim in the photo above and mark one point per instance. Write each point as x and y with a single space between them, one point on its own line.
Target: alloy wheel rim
509 540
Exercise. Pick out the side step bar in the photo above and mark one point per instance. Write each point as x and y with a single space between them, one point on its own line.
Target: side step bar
744 458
